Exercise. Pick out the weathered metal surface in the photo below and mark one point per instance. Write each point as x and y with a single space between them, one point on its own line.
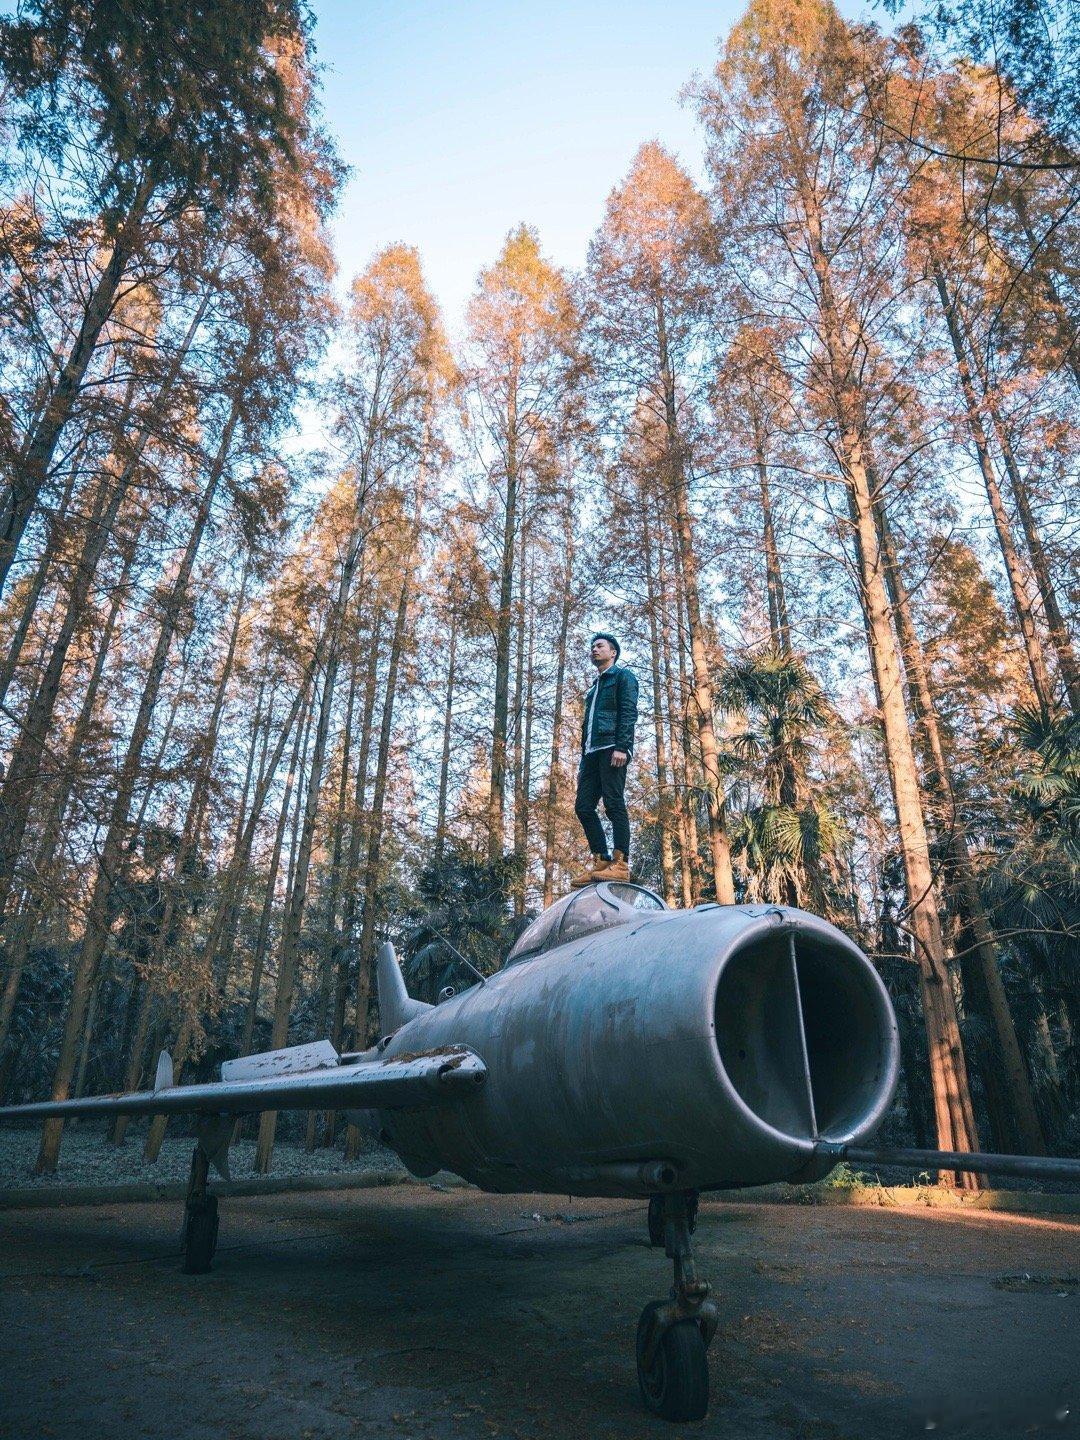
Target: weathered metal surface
674 1037
215 1135
690 1294
163 1072
396 1005
658 1051
1032 1167
383 1084
295 1060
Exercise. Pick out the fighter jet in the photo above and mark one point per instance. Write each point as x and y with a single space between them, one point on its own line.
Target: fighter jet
623 1049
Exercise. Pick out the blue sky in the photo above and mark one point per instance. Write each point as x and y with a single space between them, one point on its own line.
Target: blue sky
460 120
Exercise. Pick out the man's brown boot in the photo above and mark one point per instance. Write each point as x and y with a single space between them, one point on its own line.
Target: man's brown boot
586 877
615 869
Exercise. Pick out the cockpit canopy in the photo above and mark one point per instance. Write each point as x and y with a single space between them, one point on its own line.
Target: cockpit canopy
595 908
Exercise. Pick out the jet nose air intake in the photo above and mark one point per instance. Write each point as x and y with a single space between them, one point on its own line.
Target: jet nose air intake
805 1034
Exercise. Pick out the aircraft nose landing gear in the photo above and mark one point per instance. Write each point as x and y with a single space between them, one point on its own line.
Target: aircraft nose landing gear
673 1335
656 1217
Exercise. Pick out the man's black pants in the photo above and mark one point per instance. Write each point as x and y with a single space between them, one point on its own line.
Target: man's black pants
598 778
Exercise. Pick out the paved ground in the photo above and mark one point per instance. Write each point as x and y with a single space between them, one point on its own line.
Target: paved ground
449 1314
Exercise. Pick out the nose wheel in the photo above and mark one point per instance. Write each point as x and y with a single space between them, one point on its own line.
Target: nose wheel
673 1335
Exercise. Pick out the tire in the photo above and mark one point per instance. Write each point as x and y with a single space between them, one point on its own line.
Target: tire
677 1385
656 1220
200 1236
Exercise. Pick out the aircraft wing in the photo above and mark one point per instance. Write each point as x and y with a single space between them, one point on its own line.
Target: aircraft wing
337 1083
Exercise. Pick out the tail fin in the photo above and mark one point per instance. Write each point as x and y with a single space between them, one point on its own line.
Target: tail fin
395 1004
163 1075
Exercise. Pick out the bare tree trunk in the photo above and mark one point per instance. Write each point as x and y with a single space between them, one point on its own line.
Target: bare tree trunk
294 913
1046 284
110 861
518 758
45 860
296 761
1021 602
444 759
496 795
530 687
87 1035
667 858
356 834
188 846
336 858
779 625
691 784
295 831
1046 1042
952 1100
24 773
1055 620
239 859
155 1134
1059 630
221 954
678 739
683 525
222 933
135 1060
19 942
33 467
375 837
344 952
939 781
954 1115
378 801
27 776
332 941
57 531
552 801
153 768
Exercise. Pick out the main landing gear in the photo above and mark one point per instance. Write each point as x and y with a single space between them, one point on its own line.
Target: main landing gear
674 1335
199 1235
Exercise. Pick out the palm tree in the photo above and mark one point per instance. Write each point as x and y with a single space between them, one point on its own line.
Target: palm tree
1033 886
1050 788
789 839
463 905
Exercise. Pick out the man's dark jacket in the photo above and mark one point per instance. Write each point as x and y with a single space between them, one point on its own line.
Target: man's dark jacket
615 711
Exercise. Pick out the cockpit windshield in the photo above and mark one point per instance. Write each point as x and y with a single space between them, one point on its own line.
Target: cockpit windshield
635 895
589 911
594 908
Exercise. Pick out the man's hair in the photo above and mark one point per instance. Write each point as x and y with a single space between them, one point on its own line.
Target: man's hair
606 635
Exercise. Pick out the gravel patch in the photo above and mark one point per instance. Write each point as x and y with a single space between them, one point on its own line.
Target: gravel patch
87 1159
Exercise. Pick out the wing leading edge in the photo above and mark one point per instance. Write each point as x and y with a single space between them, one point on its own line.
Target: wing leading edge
405 1082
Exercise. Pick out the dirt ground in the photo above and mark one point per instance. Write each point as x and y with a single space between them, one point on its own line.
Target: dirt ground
412 1311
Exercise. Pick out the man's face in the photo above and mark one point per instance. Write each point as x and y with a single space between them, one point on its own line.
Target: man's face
602 653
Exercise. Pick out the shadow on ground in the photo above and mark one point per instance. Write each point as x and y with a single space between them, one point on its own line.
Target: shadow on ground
450 1314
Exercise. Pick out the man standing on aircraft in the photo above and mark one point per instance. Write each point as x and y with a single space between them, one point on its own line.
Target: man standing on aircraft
607 743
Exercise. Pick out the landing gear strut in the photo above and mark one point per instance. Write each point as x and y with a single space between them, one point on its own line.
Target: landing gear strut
656 1216
673 1335
199 1235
